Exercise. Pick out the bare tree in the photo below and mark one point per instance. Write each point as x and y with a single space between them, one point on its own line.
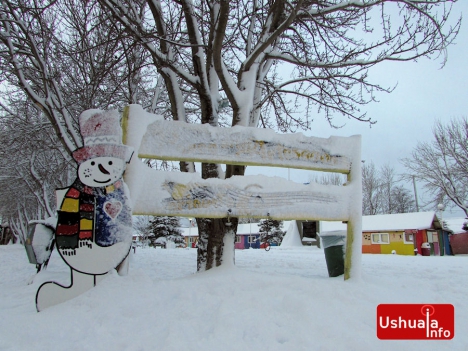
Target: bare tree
327 178
371 194
142 226
32 164
387 179
103 67
29 62
57 59
67 56
442 164
272 62
402 200
381 193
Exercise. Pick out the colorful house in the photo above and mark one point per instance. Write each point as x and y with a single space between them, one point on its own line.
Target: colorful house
248 236
459 243
190 235
459 239
402 234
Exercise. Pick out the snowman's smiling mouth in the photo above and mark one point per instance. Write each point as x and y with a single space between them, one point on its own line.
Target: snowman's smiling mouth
105 181
104 171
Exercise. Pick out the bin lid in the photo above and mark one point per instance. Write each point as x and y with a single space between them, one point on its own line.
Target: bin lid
340 233
334 238
425 246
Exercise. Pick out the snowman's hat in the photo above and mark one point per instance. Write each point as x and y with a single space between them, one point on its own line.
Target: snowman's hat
102 136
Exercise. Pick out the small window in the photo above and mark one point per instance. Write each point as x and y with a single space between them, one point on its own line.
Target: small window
252 239
380 238
409 238
238 239
432 237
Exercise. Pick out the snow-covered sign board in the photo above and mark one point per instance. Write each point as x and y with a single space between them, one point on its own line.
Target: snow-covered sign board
186 194
250 146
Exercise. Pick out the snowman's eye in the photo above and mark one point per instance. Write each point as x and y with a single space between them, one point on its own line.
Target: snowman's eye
110 163
93 163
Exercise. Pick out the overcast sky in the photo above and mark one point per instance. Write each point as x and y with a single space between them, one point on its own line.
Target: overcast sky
425 93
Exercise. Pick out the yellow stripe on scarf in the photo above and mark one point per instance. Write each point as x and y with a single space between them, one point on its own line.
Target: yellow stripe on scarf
70 205
86 224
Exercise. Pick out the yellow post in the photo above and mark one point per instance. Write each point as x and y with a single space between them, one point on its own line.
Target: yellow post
124 123
349 250
353 252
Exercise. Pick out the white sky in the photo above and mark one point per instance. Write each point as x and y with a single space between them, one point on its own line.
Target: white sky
425 94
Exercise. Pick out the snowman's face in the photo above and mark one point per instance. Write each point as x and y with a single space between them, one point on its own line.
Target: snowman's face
101 171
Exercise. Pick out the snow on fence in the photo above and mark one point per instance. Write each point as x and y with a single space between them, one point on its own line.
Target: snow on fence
186 194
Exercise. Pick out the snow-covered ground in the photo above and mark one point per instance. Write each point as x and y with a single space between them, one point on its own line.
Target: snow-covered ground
276 300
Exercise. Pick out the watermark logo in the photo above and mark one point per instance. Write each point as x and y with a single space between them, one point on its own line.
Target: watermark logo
415 321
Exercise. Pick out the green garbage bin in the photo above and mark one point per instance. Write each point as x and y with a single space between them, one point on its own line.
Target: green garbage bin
335 260
333 246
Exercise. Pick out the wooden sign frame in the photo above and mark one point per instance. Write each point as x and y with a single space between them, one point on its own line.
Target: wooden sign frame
186 194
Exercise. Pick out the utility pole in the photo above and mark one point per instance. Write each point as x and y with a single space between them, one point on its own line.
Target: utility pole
415 194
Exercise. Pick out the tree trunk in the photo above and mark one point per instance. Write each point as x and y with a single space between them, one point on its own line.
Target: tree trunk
234 170
8 236
215 235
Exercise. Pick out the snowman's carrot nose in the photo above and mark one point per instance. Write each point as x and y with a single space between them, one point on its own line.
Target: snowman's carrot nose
103 170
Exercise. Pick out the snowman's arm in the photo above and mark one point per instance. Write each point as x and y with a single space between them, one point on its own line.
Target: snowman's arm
122 268
59 195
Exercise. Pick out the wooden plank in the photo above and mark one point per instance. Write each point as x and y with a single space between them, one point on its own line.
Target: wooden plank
181 194
245 146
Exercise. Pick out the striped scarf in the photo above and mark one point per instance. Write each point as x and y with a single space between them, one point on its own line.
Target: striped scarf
76 216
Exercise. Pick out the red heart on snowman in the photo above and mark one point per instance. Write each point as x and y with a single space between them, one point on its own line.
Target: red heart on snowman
112 208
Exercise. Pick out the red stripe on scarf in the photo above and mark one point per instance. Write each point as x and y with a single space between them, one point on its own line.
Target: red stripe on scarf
63 229
86 234
87 207
73 193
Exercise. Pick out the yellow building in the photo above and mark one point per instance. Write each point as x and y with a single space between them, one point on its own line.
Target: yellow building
402 233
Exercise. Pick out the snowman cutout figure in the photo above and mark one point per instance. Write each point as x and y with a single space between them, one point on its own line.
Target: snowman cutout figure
94 226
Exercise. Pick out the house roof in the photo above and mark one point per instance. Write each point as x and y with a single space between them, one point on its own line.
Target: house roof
414 220
247 228
455 224
193 231
390 222
253 228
